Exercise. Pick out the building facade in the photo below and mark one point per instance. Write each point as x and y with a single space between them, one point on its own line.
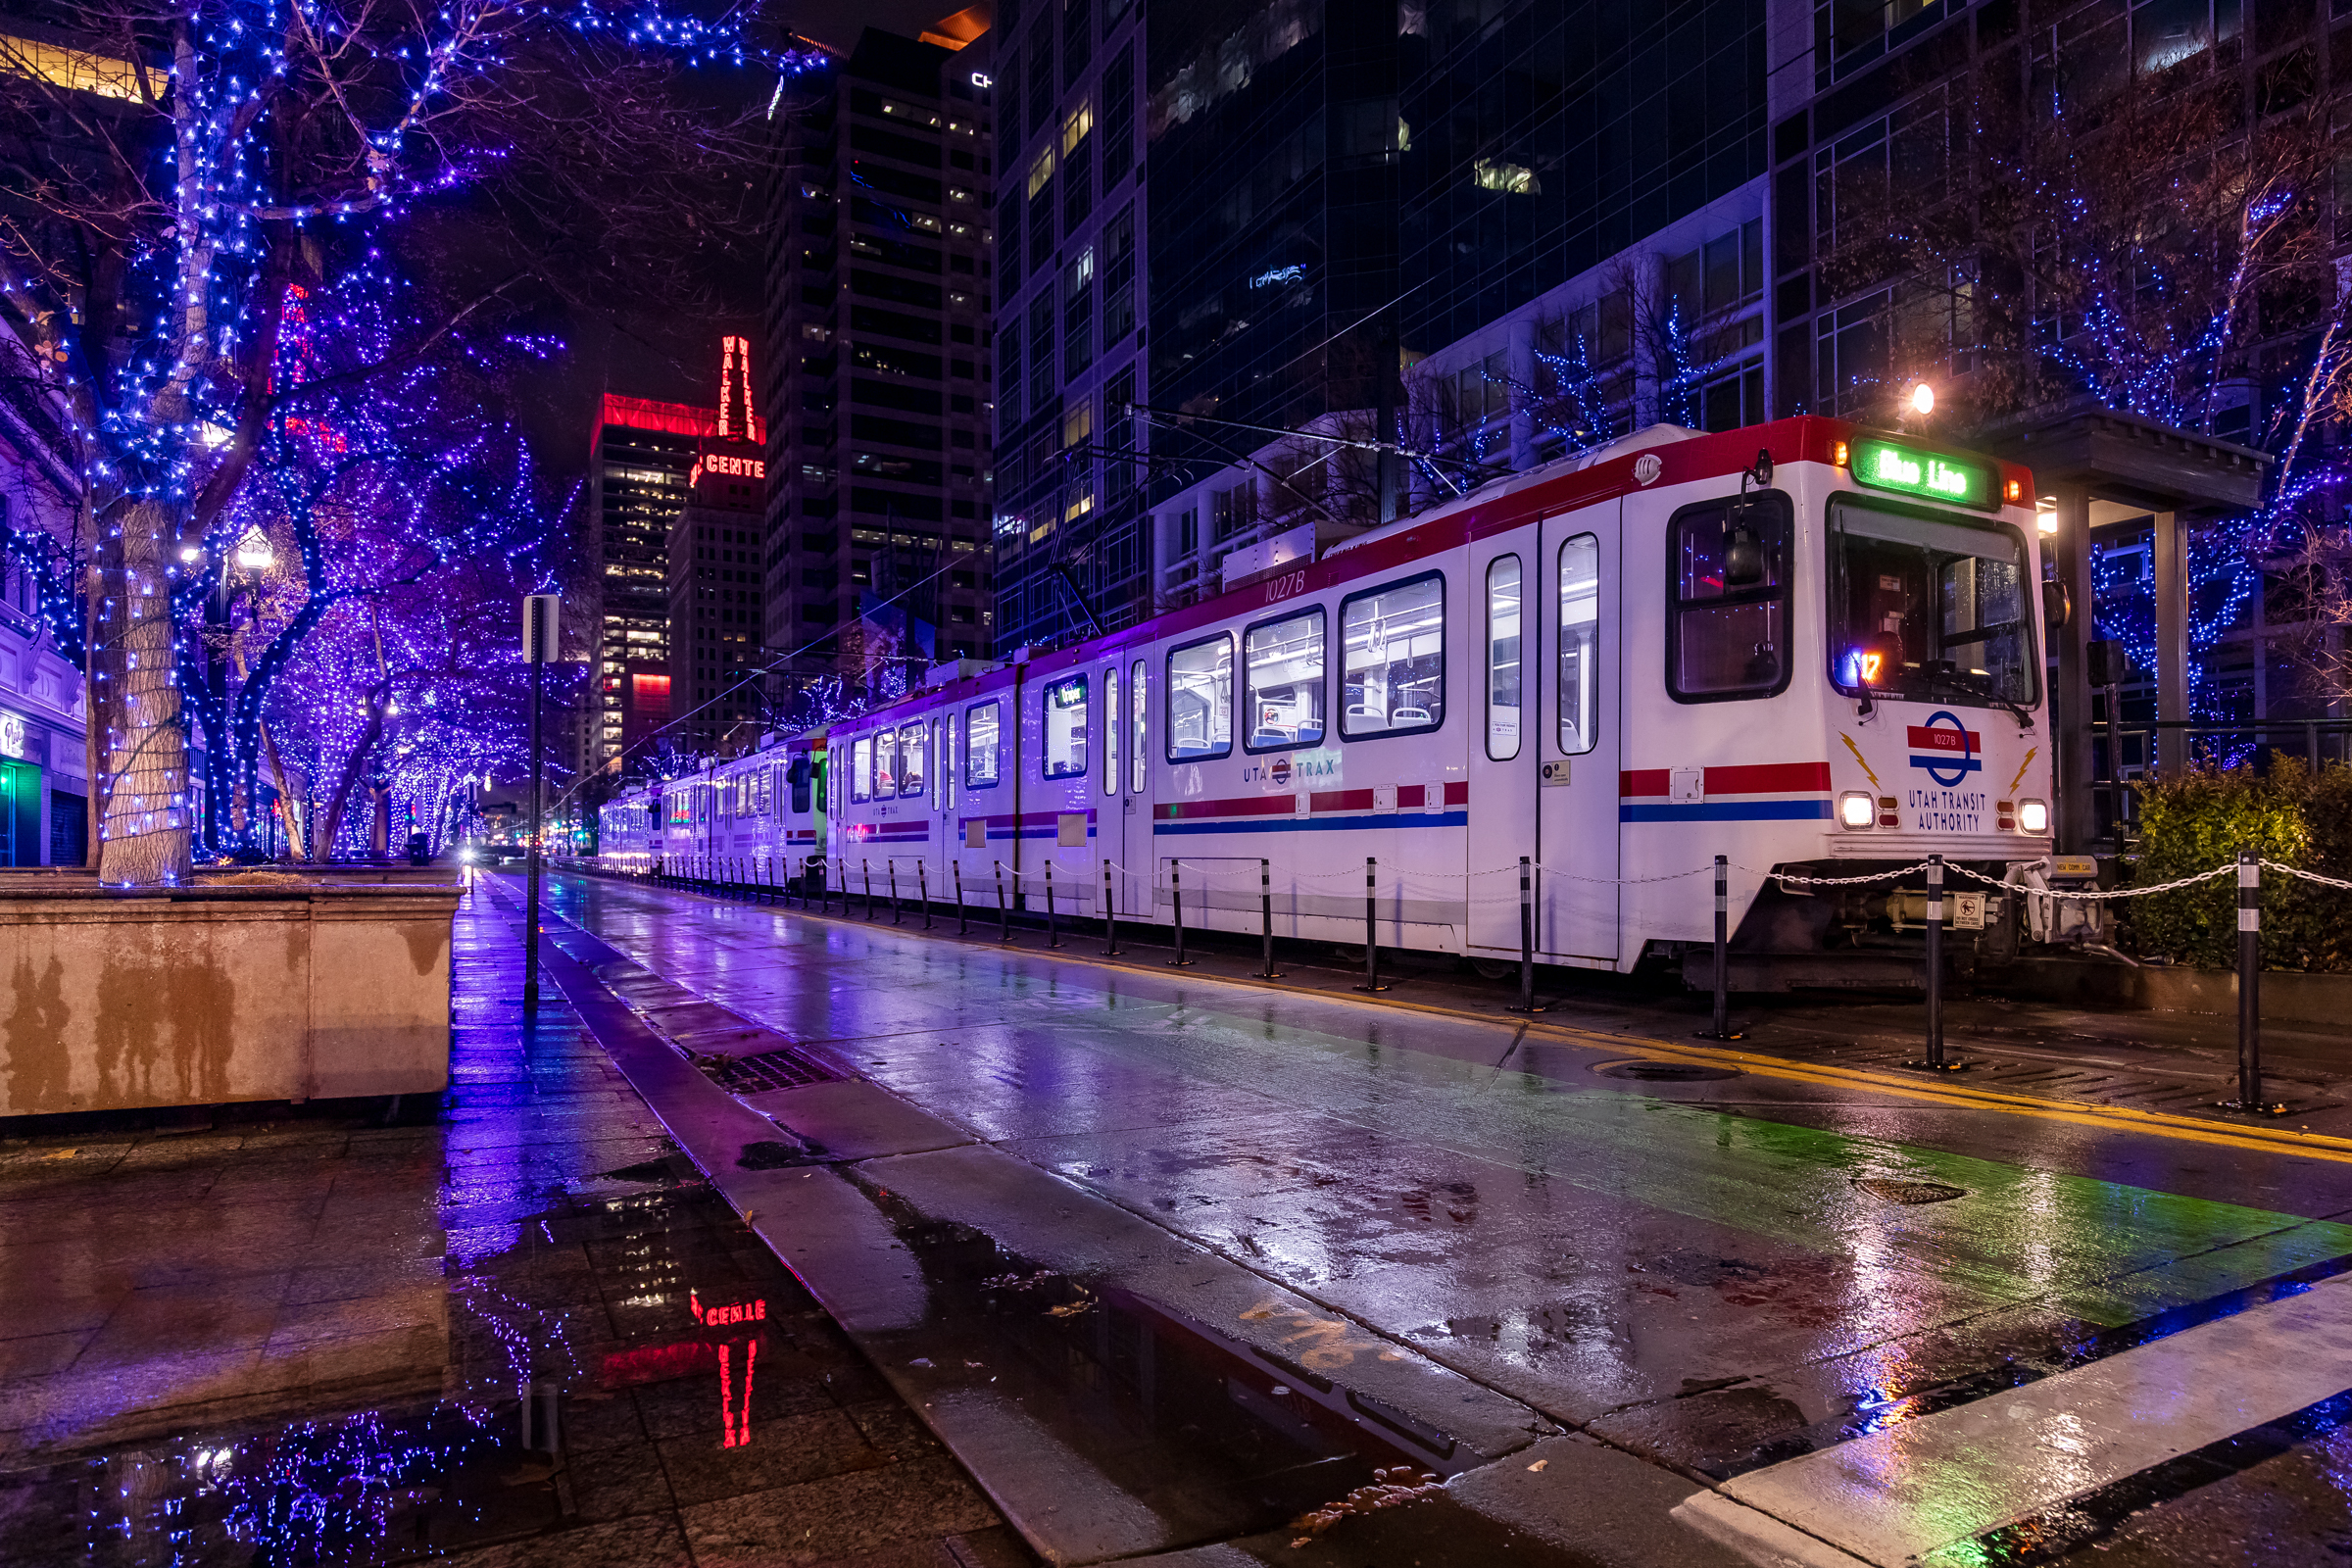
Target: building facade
881 289
641 461
1071 221
716 622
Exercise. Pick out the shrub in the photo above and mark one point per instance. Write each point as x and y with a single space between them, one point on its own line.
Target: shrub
2199 819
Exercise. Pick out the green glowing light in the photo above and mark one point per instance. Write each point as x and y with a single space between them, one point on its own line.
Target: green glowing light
1887 466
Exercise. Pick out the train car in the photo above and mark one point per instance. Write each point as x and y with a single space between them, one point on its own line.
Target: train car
1807 646
759 817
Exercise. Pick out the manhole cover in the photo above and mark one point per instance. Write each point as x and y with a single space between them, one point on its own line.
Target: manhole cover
785 1068
1666 1072
1902 1191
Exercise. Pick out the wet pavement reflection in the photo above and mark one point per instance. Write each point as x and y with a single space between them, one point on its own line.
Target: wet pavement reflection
1714 1273
516 1328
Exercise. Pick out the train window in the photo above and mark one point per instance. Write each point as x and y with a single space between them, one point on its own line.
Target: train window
1928 608
1502 657
861 768
886 764
1282 681
800 773
1064 704
1580 644
947 761
1393 659
913 754
1201 700
1727 637
1110 730
1138 765
982 722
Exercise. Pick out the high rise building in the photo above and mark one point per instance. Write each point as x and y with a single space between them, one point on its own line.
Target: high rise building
640 460
715 618
1398 221
880 294
1071 228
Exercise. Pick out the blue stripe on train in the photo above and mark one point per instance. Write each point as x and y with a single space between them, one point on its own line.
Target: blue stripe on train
1729 811
1292 824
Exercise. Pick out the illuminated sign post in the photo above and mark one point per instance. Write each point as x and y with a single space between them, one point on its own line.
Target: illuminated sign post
1886 465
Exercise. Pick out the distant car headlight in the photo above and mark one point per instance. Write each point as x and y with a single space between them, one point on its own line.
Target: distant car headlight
1856 810
2032 817
465 856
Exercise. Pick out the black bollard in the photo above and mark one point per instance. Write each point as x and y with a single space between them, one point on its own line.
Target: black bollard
1936 1061
1265 921
1110 917
1371 928
963 921
890 869
1721 1028
1526 937
1176 902
922 889
2249 990
1004 910
1052 930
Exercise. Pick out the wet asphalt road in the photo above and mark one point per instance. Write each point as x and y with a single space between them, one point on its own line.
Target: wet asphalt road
1171 1263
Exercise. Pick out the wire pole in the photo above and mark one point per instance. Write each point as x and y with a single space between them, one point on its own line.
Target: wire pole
530 897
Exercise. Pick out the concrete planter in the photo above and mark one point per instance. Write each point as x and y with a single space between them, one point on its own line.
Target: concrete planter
273 987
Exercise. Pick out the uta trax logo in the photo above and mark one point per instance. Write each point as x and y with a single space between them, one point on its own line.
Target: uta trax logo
1947 747
1279 770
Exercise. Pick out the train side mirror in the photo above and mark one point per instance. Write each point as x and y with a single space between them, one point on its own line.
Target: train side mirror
2057 604
1742 557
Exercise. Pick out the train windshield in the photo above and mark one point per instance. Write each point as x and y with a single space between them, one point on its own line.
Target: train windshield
1928 608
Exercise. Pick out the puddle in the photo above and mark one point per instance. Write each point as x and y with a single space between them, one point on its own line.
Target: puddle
1666 1072
376 1487
1219 1437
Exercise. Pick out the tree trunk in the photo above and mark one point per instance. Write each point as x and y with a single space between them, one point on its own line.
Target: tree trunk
331 820
145 825
298 844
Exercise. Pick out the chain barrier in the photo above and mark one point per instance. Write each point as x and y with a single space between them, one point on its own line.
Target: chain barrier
1785 877
2092 896
2308 877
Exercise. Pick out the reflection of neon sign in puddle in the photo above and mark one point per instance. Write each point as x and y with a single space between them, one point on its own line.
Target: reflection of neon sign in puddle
659 1363
734 1420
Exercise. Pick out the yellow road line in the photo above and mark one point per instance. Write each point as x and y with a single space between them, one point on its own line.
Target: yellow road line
1936 1090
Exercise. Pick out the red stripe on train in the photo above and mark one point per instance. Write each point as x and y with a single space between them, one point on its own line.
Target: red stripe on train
1764 778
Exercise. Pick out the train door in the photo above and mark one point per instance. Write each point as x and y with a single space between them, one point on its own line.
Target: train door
1068 708
1543 752
1109 729
1575 732
1503 759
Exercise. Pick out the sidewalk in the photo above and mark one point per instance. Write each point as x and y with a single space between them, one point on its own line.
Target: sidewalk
298 1334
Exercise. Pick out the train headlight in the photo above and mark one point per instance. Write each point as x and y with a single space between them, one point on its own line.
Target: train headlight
1856 810
2032 817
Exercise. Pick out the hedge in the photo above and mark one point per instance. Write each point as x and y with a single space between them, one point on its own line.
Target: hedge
2200 819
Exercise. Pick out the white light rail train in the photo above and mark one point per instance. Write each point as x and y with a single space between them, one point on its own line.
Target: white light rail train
1805 646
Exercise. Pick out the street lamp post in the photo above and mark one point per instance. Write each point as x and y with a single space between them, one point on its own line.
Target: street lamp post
539 626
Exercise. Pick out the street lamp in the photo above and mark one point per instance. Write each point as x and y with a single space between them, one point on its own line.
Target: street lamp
1923 400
